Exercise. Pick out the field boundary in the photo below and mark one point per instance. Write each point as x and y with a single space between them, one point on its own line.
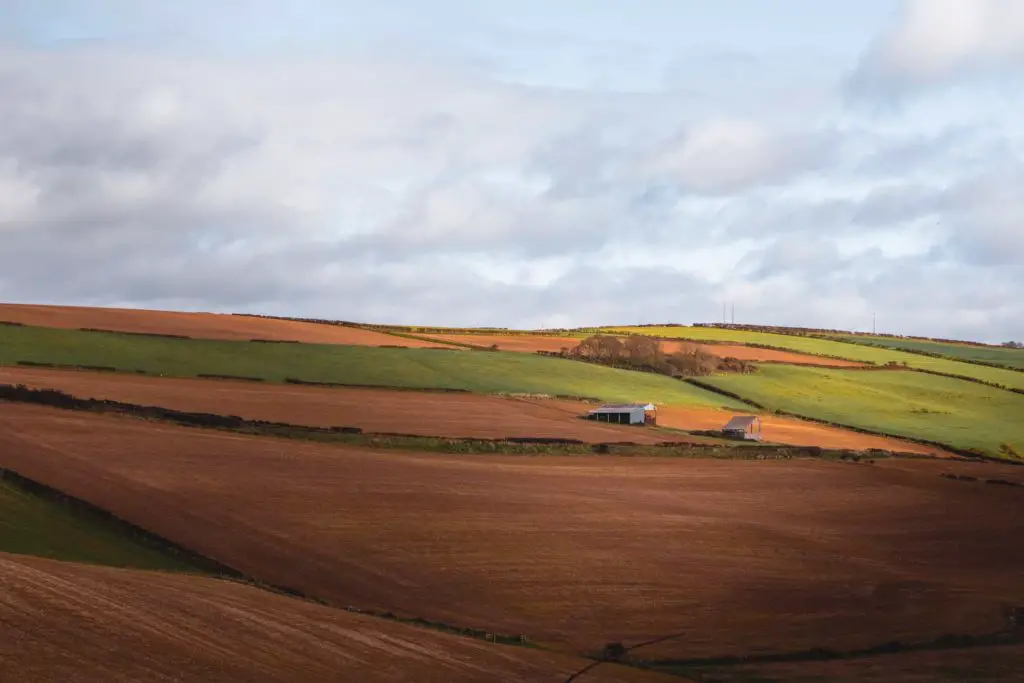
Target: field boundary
1013 634
218 570
133 531
354 436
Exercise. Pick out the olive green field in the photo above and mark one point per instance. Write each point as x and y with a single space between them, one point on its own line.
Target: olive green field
476 371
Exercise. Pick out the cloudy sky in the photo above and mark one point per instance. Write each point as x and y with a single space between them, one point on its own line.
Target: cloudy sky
529 163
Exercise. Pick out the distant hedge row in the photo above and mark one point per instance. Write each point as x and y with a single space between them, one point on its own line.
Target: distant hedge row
921 352
59 399
137 334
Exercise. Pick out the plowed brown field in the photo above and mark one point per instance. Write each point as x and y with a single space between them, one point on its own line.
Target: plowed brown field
425 413
737 556
532 343
63 622
199 325
374 410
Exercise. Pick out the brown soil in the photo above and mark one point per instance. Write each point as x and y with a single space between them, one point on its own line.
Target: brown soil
63 622
792 431
199 325
525 343
737 556
751 353
374 410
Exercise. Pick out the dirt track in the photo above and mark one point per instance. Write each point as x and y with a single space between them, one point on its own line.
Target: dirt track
199 325
62 622
422 413
576 552
374 410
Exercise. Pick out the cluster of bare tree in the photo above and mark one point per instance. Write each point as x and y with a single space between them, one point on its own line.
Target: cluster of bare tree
645 353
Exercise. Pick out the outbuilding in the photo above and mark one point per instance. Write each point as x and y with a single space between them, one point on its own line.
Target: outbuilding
745 427
625 413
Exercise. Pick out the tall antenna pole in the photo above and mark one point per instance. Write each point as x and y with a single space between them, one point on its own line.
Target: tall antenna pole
874 318
734 314
723 313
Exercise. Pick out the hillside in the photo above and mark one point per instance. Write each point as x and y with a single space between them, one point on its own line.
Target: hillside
1007 357
478 371
73 622
857 554
839 349
902 403
31 525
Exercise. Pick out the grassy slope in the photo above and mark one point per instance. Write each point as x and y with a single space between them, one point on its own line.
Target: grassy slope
483 372
827 347
30 525
953 412
1011 358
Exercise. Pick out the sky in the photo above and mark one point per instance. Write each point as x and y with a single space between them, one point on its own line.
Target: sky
527 164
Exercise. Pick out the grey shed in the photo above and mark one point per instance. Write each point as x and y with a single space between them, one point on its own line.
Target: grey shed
746 427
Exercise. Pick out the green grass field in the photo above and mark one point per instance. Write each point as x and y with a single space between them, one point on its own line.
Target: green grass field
902 403
1011 358
30 525
478 371
827 347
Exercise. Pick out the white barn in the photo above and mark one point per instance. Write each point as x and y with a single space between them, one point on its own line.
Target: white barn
623 413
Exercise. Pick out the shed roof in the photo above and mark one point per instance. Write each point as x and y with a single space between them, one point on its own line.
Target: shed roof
622 408
740 422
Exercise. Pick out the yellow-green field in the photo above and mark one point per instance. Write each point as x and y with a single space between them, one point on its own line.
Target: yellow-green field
837 349
953 412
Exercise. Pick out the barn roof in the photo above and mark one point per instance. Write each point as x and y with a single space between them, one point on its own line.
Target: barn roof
740 422
622 407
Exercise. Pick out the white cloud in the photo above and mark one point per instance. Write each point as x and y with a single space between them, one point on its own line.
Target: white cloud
935 41
400 188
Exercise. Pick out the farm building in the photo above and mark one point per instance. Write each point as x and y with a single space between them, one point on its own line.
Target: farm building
625 413
746 427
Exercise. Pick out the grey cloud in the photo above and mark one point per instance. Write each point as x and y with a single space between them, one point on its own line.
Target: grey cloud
373 187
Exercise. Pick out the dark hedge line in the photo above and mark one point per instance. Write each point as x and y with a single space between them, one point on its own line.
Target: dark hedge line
223 571
136 334
242 378
61 366
11 323
1011 635
275 341
311 383
59 399
723 392
86 509
920 352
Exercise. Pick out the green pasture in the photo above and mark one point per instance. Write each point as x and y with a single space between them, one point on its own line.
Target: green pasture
953 412
1011 358
477 371
839 349
30 525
